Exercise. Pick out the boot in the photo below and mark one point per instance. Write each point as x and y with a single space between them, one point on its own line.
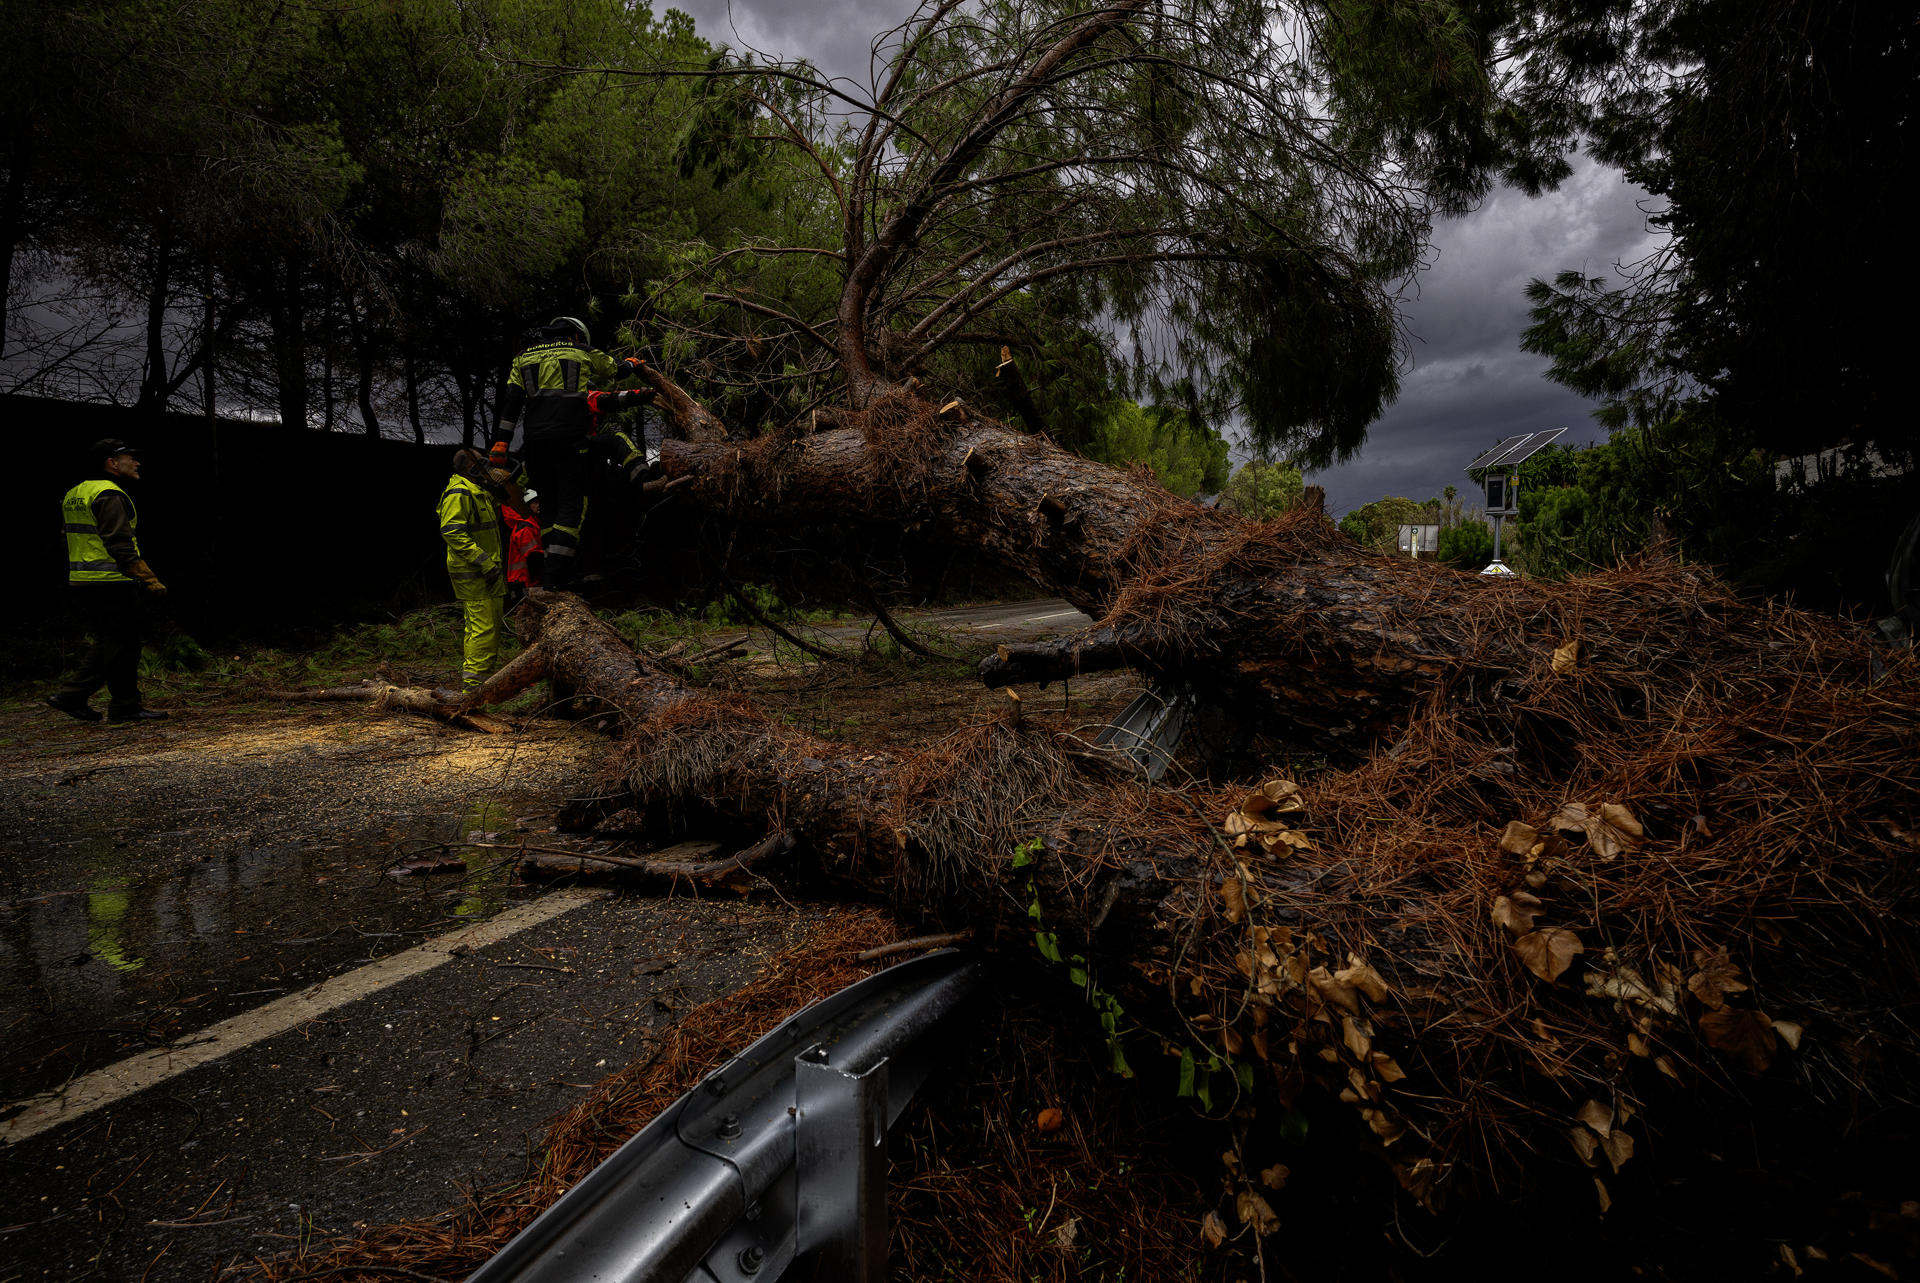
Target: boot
73 706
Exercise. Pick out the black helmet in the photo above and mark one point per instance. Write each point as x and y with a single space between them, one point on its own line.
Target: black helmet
106 447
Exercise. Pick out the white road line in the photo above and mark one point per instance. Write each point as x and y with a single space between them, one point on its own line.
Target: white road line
136 1073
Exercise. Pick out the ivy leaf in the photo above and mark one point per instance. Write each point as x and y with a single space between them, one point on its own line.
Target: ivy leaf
1718 976
1744 1037
1550 952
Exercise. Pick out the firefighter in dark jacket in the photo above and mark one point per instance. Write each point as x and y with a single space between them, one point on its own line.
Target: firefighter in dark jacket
546 396
107 580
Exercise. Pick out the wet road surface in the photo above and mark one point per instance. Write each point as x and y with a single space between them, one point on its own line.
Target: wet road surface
165 885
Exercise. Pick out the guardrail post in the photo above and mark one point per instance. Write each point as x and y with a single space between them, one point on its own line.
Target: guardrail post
840 1160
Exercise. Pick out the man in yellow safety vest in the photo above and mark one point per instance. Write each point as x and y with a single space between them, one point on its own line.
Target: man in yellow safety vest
470 523
107 579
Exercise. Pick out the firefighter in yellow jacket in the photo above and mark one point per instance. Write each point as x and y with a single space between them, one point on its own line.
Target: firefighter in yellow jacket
470 523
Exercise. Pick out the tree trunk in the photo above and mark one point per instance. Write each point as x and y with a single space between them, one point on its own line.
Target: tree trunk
13 206
411 373
1289 622
155 383
286 310
361 327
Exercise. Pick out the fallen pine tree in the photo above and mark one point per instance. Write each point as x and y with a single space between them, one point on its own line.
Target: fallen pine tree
1587 858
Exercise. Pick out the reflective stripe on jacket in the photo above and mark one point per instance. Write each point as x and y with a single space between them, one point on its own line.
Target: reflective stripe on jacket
88 561
470 524
550 382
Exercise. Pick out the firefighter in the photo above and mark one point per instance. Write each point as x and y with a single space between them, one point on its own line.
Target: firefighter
109 579
525 561
470 524
549 383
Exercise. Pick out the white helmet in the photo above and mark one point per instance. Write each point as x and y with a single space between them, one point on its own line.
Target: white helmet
530 494
576 324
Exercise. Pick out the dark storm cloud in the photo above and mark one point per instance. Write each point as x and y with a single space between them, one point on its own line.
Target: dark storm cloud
837 35
1467 383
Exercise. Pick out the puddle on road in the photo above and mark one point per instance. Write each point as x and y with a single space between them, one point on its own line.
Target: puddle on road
128 957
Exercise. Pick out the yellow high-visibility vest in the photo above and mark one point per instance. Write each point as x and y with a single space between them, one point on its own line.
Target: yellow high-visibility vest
88 561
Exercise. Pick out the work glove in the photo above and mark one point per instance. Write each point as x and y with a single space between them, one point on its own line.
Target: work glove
140 572
632 366
497 457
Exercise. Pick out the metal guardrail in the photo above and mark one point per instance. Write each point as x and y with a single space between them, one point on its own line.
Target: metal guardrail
779 1157
1149 729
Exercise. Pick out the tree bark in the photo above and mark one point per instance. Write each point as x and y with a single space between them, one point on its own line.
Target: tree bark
1289 622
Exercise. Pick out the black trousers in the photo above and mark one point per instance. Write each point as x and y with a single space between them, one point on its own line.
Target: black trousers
561 472
111 613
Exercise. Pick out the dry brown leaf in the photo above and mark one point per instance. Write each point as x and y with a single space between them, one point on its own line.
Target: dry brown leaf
1334 989
1718 976
1622 819
1256 1212
1385 1125
1050 1120
1585 1144
1639 1046
1364 1088
1610 831
1236 824
1597 1116
1878 1267
1744 1037
1550 952
1275 1177
1358 1035
1518 838
1234 892
1362 977
1606 1199
1665 1066
1213 1230
1618 1147
1790 1032
1627 985
1068 1232
1536 879
1285 795
1516 912
1387 1068
1232 1041
1572 817
1564 657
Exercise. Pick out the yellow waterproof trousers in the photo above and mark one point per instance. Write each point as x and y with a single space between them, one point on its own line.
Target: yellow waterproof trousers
485 620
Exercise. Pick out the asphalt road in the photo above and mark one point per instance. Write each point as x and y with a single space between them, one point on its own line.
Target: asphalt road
225 1031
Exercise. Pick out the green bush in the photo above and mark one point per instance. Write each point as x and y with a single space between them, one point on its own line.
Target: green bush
1261 490
1467 546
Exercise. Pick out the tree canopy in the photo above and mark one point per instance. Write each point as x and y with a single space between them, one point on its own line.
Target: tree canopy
1777 139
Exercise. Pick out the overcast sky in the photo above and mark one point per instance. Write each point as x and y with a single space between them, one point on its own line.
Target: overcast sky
1467 383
